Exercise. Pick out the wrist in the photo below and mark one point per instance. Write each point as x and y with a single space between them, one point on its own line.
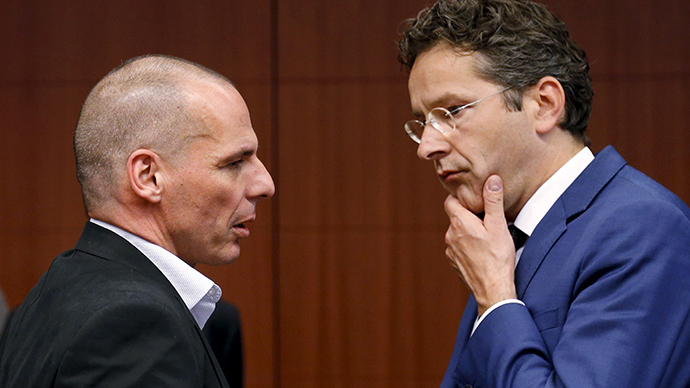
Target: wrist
485 304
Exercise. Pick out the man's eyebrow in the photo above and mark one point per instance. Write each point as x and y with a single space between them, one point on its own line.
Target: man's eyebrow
418 115
442 101
239 154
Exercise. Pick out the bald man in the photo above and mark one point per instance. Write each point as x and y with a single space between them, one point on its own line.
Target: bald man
166 158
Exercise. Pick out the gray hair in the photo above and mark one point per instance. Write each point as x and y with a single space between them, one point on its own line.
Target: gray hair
518 42
140 104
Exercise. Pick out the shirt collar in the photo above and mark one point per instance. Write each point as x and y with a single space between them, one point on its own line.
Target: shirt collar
539 204
199 293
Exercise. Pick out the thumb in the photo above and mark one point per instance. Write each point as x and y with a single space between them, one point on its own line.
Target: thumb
494 213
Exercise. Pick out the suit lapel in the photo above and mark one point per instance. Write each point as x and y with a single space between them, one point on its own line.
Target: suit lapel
214 361
549 230
575 200
104 243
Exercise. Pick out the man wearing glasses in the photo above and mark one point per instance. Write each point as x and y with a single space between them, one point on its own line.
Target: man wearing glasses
593 290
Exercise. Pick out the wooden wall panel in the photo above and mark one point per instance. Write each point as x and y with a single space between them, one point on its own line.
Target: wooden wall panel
362 224
367 297
40 194
639 61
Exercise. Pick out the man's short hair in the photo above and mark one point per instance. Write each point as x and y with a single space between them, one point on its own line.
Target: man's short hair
518 42
143 103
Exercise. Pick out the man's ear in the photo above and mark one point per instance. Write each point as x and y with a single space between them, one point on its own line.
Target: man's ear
144 174
549 96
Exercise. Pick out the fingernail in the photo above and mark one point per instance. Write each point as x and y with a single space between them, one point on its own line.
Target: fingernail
494 184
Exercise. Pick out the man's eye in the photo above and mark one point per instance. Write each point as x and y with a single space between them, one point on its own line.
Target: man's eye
237 163
454 110
457 110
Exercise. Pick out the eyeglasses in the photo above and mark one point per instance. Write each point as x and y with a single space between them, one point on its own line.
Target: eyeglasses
442 119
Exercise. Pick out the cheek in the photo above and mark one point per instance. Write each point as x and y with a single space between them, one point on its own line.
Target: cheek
227 201
208 203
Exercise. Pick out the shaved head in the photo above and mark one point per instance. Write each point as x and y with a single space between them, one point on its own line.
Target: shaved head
143 103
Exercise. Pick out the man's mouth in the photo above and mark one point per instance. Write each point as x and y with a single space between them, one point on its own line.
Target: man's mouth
445 175
449 175
241 229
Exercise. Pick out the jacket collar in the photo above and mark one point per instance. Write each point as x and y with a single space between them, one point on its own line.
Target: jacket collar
575 200
101 242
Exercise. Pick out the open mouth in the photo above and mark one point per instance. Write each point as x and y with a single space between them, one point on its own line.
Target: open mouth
240 229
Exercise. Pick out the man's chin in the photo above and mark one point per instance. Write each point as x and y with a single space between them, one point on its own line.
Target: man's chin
227 256
473 203
478 211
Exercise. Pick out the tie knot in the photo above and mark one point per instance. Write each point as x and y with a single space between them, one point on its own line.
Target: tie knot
519 237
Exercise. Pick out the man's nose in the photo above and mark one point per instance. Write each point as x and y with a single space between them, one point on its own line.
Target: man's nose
433 144
263 185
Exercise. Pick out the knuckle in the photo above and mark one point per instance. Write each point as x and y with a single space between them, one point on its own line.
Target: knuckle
450 238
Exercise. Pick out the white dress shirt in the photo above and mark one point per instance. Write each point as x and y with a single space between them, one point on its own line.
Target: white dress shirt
199 293
539 204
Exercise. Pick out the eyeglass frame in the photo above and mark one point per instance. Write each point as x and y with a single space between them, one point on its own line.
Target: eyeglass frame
434 123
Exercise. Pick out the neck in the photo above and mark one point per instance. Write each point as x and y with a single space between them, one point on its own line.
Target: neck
554 154
133 219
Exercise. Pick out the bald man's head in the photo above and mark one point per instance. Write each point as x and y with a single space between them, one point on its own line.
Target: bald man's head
143 103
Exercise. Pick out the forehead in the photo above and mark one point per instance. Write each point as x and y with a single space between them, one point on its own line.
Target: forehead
224 117
444 73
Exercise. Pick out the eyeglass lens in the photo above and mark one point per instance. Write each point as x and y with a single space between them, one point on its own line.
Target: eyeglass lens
440 118
414 129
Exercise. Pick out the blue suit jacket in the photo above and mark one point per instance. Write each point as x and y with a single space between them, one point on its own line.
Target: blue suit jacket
605 278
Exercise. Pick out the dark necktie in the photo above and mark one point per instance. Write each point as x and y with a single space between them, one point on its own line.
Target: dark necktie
519 237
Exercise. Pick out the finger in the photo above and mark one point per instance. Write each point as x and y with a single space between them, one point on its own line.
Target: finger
454 208
494 217
456 267
451 205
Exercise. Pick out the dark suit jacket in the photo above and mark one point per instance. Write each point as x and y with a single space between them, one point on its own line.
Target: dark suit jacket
104 316
223 331
606 282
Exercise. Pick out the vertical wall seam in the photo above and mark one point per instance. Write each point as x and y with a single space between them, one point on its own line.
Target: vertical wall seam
275 208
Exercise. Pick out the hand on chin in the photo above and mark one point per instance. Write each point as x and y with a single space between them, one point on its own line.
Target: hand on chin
469 200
